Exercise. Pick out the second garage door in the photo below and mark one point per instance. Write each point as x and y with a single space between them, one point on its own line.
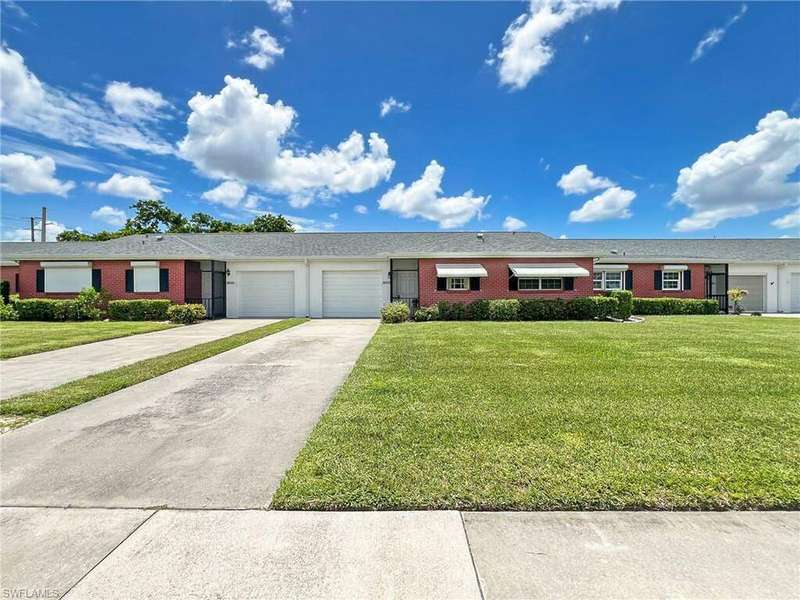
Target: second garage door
266 294
352 293
754 284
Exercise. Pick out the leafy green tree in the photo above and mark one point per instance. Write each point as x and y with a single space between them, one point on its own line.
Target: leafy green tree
270 223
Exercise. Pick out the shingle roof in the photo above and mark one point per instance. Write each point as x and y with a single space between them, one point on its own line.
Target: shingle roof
230 246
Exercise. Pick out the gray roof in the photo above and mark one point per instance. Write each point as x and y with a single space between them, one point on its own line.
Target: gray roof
231 246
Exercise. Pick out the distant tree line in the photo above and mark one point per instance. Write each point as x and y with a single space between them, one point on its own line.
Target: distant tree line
154 216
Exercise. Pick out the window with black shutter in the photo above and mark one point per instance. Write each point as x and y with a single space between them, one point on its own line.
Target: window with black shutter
474 283
512 281
97 279
629 280
569 283
40 280
163 281
441 284
687 280
656 280
129 280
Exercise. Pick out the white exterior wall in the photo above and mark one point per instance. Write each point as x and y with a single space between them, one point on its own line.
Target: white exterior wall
779 281
307 280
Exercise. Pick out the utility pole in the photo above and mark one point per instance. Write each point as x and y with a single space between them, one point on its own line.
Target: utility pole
44 223
33 229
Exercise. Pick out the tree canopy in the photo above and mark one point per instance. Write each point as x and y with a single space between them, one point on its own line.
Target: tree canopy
154 216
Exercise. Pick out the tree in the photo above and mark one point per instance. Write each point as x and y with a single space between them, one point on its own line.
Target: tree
270 223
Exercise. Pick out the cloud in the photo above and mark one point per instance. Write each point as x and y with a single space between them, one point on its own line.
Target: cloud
513 224
131 186
74 119
527 45
282 8
613 203
422 199
309 225
714 36
334 216
24 234
391 104
563 236
227 193
788 221
361 209
264 49
110 215
62 158
26 174
580 180
137 103
237 134
744 177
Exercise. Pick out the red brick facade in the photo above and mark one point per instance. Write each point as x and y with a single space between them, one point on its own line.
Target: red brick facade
643 282
9 274
113 280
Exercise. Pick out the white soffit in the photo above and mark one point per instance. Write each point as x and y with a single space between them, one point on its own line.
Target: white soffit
64 264
616 267
144 263
548 270
475 270
676 268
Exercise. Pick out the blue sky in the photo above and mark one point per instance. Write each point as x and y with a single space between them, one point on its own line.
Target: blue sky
510 100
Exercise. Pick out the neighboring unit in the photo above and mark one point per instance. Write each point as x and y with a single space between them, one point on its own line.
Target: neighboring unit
354 274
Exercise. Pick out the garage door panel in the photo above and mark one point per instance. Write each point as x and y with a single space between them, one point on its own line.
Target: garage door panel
795 293
266 294
352 293
754 284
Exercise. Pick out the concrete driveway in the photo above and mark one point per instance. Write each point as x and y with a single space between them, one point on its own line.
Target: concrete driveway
216 434
50 369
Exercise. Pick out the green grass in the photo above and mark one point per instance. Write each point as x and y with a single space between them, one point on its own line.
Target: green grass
20 410
673 413
18 338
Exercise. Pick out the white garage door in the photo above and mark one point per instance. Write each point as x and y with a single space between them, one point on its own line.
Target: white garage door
795 302
754 284
352 293
266 293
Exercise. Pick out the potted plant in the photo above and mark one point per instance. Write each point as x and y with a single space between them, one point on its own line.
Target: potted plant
736 296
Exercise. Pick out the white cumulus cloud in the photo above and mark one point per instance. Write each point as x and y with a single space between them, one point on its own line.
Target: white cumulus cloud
25 174
227 193
24 234
527 46
282 8
108 214
581 180
613 203
744 177
392 104
361 209
131 186
264 48
513 224
714 36
237 134
136 103
423 199
788 221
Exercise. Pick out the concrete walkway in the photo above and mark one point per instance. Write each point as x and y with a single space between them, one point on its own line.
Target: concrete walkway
50 369
102 553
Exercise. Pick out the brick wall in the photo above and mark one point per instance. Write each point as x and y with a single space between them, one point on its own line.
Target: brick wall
643 282
9 274
496 284
113 280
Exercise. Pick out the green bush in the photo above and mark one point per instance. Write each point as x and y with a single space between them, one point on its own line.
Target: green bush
624 303
451 311
186 313
592 307
138 310
543 309
504 310
478 310
5 291
395 312
8 313
86 306
427 313
674 306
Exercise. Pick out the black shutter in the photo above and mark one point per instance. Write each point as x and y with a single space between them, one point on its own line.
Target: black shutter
163 280
569 283
475 283
40 280
512 281
97 279
629 280
441 284
687 280
129 280
657 280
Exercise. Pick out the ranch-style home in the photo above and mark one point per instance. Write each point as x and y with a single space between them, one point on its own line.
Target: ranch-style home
354 274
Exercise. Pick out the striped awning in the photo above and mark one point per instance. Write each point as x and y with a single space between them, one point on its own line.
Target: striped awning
475 270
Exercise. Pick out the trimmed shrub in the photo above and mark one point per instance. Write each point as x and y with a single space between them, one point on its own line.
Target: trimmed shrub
674 306
138 310
5 291
592 307
624 303
86 306
543 309
7 312
451 311
426 313
478 310
395 312
43 309
504 310
186 313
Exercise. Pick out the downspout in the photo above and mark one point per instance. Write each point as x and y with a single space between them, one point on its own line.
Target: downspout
308 287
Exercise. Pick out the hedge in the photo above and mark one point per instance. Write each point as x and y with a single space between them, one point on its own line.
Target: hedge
186 313
138 310
395 312
674 306
625 303
525 309
84 307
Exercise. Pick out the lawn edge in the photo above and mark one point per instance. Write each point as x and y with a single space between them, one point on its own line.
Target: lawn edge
86 389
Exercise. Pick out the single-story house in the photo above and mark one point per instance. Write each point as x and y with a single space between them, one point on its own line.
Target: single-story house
354 274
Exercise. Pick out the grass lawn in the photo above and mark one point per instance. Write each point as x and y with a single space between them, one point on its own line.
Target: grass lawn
18 338
20 410
674 413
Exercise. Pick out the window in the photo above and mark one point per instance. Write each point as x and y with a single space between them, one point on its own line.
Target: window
146 279
597 280
607 280
538 283
458 283
671 280
66 277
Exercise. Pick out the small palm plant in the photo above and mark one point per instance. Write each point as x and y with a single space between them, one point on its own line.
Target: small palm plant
736 296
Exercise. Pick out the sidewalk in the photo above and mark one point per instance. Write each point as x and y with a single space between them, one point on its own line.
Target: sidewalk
102 553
